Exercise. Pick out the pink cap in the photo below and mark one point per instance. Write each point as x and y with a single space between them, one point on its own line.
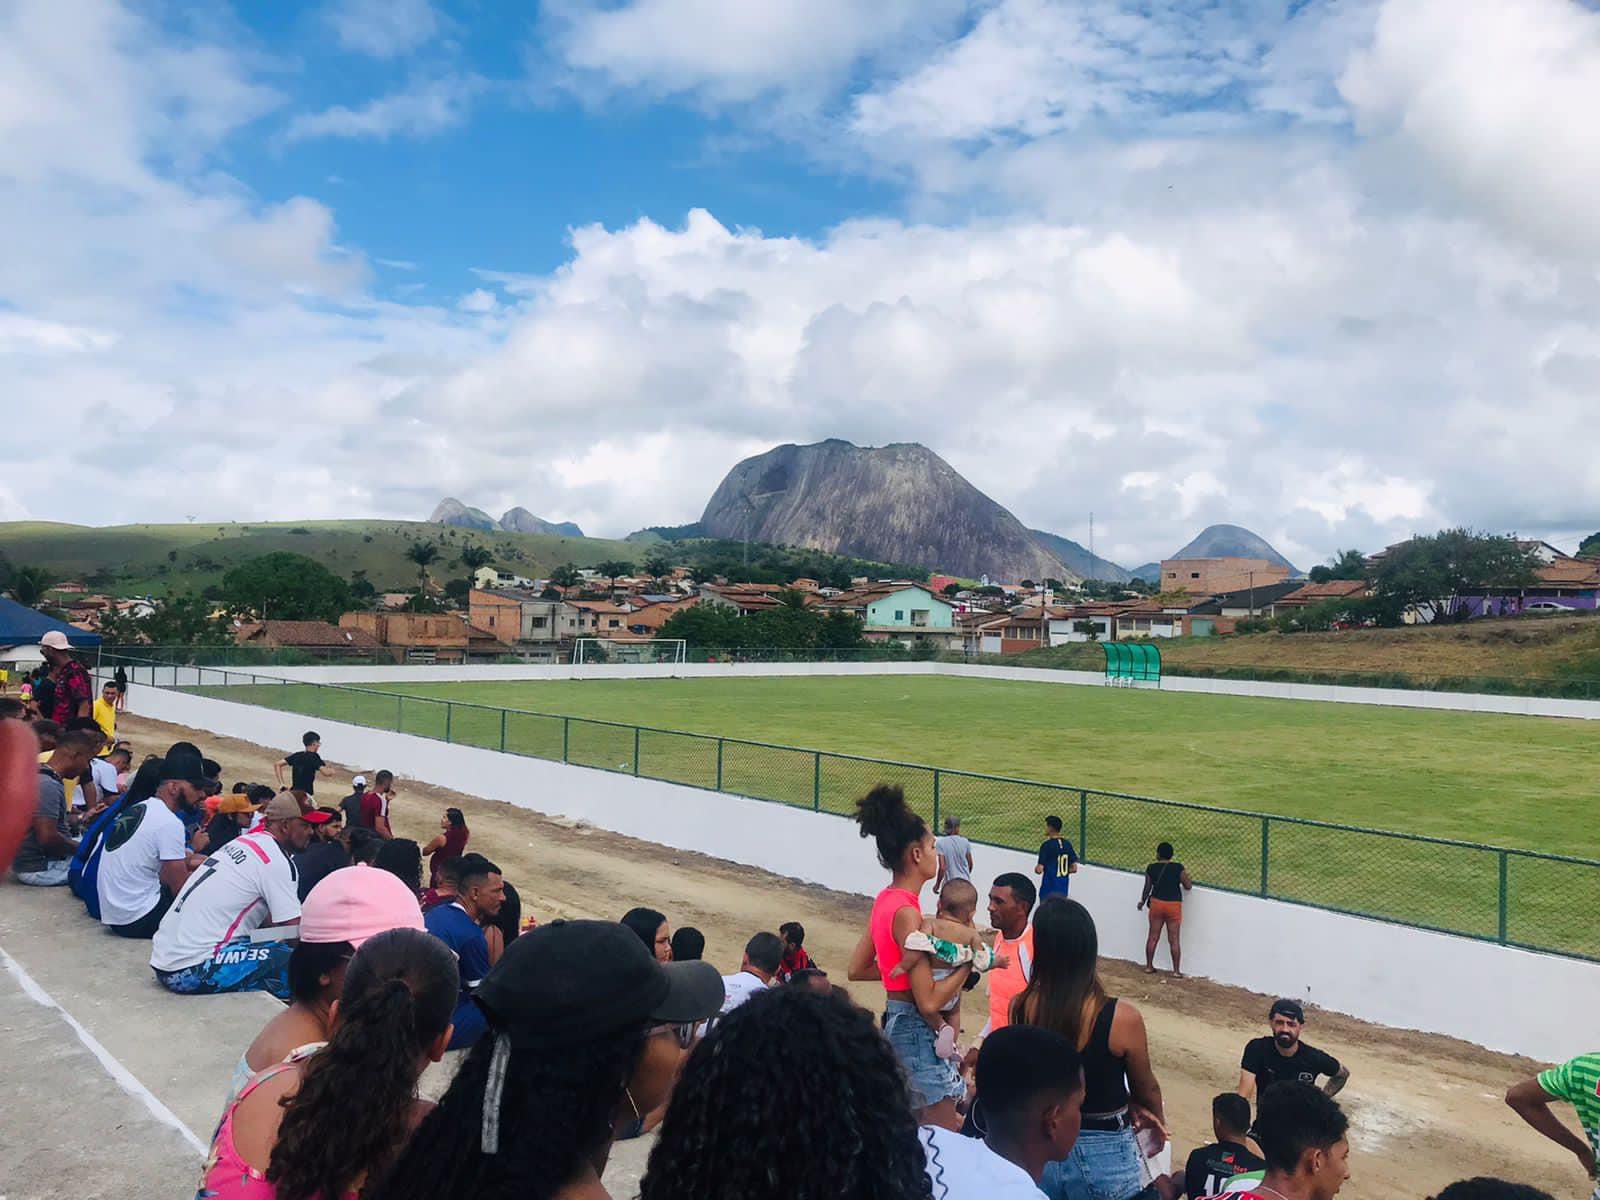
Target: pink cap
55 640
355 903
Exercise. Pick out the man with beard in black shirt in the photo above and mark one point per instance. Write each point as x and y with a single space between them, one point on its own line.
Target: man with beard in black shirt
1283 1056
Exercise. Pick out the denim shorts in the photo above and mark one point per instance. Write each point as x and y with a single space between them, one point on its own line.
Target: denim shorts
931 1078
1104 1165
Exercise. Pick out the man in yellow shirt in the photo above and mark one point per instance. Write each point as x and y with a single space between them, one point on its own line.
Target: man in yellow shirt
105 715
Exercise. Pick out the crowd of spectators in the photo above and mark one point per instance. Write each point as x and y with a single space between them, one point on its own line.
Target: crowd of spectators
570 1035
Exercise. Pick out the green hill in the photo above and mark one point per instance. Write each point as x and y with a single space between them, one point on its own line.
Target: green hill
138 559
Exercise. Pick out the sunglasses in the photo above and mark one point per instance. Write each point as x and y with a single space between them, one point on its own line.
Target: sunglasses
684 1033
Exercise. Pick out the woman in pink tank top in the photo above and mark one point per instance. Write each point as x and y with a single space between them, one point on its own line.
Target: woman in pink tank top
316 1127
905 848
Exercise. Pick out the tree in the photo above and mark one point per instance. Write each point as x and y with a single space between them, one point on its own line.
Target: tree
612 568
283 586
29 584
951 589
421 602
565 576
182 620
474 557
1432 575
1347 564
457 590
424 554
1590 544
362 589
656 566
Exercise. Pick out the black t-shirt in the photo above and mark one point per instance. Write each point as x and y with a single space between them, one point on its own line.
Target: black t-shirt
1261 1059
303 768
1210 1168
352 809
316 862
1166 880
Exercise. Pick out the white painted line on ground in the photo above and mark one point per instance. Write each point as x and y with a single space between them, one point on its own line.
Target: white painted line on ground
124 1078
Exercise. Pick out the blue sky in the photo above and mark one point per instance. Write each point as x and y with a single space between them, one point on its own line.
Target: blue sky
1327 270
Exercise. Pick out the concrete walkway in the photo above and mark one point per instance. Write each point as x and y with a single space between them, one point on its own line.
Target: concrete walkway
111 1085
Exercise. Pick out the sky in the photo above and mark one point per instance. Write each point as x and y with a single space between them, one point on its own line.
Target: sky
1328 270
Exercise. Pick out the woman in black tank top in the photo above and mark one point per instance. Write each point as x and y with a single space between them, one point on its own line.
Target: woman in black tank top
1120 1088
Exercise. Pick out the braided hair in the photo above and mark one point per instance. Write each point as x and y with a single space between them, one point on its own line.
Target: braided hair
842 1118
557 1108
399 994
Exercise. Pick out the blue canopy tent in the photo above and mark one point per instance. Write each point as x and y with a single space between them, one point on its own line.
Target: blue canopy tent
21 628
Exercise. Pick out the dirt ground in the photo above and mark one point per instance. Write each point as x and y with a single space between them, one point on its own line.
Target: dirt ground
1425 1110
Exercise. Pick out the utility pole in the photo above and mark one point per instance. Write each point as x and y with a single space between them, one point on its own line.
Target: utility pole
1252 593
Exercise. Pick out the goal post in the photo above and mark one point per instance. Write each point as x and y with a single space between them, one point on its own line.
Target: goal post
595 651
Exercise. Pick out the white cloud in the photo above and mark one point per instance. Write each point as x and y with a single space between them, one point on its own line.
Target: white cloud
1496 99
477 301
424 109
730 50
382 28
20 334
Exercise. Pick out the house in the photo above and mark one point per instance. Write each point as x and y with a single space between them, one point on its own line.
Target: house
316 638
536 626
597 618
648 619
1562 584
1320 593
747 598
494 577
904 612
938 583
803 584
1214 576
1255 601
427 637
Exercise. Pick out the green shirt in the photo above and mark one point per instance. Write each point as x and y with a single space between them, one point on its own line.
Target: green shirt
1578 1082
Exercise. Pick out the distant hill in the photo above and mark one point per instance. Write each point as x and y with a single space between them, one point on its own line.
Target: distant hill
1149 572
451 511
1089 566
897 503
156 559
1232 541
666 533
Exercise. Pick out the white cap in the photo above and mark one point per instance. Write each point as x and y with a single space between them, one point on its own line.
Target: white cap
359 781
55 640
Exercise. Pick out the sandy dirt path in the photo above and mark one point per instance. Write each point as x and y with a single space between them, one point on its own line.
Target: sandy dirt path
1425 1110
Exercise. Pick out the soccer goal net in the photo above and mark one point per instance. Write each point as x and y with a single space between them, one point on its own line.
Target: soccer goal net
588 651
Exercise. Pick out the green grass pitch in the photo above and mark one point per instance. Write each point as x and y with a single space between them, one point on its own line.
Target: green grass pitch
1519 782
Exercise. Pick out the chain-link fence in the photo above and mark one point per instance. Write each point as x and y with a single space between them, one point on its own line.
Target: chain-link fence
1514 897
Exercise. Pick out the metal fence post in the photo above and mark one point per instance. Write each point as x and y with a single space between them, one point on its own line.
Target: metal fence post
1083 823
566 736
816 781
719 764
936 799
449 712
502 730
635 749
1266 826
1505 873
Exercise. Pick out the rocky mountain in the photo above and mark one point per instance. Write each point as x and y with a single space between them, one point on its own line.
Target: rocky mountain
898 503
1149 572
1232 541
520 520
1090 566
451 511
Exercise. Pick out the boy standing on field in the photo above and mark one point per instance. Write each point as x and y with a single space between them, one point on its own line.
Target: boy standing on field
1058 861
304 765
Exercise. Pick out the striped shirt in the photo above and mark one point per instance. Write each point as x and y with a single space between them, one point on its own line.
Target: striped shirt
1577 1081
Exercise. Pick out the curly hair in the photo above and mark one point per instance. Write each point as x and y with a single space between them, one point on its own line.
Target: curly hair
559 1103
885 817
399 994
841 1119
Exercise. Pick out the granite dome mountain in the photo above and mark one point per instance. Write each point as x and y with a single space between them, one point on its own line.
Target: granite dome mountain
451 511
895 503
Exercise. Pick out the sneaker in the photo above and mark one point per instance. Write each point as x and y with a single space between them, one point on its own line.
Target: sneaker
945 1044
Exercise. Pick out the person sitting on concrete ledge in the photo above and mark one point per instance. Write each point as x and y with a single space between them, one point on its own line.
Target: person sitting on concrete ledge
205 944
345 909
145 863
47 849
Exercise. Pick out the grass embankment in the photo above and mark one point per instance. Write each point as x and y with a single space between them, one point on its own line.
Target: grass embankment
1512 781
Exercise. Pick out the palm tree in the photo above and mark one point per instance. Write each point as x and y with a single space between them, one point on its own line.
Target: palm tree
473 557
612 568
423 554
655 566
29 585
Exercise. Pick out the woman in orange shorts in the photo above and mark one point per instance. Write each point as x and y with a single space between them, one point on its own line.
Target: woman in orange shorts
1165 881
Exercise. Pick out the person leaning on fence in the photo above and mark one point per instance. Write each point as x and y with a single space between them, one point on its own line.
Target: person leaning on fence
1165 881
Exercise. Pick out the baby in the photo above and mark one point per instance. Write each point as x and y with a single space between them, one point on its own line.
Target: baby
950 939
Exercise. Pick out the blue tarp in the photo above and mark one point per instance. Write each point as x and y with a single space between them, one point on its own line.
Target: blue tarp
24 626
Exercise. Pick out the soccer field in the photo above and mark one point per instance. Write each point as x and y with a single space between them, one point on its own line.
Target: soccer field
1511 781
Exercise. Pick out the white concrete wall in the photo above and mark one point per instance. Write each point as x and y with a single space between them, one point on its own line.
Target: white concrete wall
1505 999
1533 706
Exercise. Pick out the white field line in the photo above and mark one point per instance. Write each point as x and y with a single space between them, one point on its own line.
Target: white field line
124 1078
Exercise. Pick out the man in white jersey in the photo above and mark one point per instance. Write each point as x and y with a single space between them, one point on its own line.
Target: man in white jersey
208 941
